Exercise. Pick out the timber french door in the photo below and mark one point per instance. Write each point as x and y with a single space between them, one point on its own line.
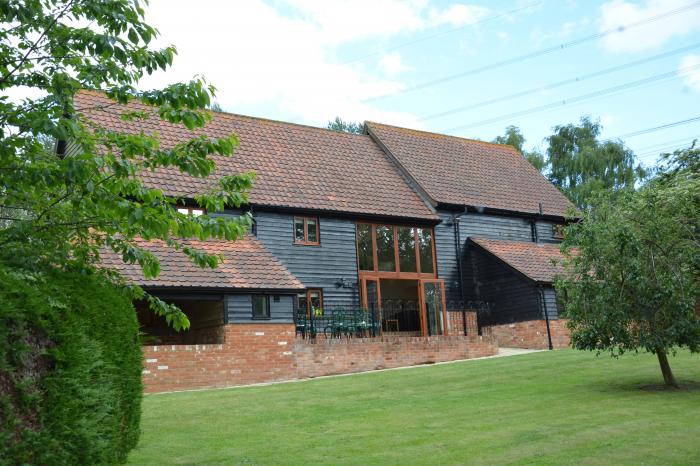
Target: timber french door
433 312
371 297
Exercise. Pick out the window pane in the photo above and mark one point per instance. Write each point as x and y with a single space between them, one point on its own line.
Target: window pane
302 303
312 231
407 249
364 247
299 230
183 210
385 248
316 303
425 245
197 212
261 308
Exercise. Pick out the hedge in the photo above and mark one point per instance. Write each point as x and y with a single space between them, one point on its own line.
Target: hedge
70 369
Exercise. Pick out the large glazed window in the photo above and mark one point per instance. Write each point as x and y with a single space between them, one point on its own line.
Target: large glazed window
406 237
386 261
425 248
364 247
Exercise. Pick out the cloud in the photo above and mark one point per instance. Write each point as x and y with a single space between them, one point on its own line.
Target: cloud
458 15
648 36
392 65
691 77
278 59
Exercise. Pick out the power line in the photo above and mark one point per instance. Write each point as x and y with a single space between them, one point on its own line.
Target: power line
655 128
432 36
536 53
579 98
654 147
560 83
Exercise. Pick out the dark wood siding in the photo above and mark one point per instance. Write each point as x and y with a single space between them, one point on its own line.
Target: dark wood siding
446 252
320 266
508 296
545 232
238 308
550 302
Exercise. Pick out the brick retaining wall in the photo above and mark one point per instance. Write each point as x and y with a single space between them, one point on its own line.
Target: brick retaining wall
255 353
531 334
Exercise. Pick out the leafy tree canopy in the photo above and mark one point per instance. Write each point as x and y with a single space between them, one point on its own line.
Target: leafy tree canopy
63 209
514 137
345 126
580 164
633 273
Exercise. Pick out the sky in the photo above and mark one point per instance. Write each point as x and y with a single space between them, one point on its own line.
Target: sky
466 68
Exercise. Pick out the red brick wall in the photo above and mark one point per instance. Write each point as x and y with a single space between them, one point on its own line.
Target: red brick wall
531 334
255 353
456 319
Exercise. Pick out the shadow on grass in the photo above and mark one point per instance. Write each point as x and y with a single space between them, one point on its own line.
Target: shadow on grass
646 386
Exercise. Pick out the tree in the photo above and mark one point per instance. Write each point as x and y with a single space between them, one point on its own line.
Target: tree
62 209
345 126
581 165
632 277
513 137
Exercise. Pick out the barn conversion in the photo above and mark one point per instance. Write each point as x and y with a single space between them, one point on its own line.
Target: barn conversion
391 247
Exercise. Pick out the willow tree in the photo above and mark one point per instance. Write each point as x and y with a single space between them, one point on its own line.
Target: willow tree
582 165
633 268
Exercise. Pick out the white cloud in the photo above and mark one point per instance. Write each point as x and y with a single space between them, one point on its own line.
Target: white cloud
278 60
457 15
648 36
392 64
689 70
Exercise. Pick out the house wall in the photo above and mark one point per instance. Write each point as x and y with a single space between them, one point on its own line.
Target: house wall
476 286
315 266
239 308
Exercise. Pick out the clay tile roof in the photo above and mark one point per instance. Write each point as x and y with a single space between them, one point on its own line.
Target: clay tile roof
247 264
297 166
462 171
540 262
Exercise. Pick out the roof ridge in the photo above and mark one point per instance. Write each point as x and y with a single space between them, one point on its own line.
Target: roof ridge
442 135
250 117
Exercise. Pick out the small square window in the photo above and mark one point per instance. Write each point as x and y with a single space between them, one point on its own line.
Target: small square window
194 211
276 298
307 231
261 307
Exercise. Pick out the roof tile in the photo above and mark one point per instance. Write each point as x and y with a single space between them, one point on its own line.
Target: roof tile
462 171
297 166
247 265
541 262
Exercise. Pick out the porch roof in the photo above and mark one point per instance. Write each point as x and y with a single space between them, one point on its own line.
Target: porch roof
247 264
540 262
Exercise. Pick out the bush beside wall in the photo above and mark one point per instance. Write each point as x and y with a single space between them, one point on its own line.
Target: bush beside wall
70 369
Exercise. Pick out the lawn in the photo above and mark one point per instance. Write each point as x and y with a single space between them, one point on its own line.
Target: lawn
543 408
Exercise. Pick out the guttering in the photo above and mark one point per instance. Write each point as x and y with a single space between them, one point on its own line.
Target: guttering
458 252
543 308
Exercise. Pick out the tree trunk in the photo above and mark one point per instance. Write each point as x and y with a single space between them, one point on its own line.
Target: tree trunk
669 380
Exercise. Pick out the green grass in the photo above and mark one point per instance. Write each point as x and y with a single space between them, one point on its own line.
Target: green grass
543 408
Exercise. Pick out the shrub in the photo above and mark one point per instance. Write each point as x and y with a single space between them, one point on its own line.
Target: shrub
70 369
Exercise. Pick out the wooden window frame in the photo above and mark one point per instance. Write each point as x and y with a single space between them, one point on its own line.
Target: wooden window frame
308 300
306 241
558 231
397 273
267 307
